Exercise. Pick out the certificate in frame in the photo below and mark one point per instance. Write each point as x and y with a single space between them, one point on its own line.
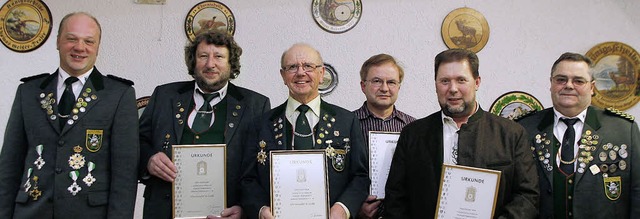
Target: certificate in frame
299 185
467 191
382 145
200 185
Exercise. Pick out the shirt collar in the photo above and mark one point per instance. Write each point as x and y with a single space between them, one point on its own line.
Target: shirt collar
557 116
63 75
446 118
293 104
366 113
222 91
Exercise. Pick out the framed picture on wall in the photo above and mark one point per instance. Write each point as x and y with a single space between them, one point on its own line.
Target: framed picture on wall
514 104
209 15
465 28
616 73
25 26
336 16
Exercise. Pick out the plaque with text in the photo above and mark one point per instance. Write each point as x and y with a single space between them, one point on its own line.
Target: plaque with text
381 148
467 192
299 186
200 186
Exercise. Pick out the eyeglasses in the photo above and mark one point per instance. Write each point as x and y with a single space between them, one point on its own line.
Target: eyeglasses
306 67
563 80
377 82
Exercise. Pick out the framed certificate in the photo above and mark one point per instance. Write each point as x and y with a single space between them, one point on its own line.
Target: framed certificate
381 148
200 186
299 186
467 192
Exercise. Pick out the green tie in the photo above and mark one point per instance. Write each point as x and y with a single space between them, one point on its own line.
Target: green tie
67 101
303 136
202 122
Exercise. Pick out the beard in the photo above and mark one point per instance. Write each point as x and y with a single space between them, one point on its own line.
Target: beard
457 111
211 86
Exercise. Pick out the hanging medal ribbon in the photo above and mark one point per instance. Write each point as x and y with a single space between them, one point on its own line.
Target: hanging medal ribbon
39 162
27 184
89 179
74 188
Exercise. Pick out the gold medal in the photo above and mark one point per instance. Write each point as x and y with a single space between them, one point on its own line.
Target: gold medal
262 156
76 161
35 193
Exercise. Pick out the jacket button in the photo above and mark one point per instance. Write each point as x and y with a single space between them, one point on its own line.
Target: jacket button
58 170
60 143
549 191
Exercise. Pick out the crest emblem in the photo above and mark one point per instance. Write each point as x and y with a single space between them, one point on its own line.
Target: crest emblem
470 195
94 140
612 187
338 161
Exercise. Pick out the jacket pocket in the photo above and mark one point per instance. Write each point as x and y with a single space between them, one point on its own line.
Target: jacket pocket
98 198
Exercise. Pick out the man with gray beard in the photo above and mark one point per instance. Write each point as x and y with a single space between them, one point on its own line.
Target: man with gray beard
212 59
462 134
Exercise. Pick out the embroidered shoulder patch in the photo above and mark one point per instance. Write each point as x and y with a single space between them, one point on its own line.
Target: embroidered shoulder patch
614 111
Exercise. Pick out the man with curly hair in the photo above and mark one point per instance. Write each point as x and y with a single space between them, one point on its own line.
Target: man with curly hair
212 59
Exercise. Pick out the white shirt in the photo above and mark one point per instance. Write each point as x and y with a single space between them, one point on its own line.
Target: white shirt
313 115
75 86
198 99
559 128
450 137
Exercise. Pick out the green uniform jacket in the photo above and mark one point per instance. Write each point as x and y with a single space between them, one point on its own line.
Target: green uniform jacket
103 133
594 195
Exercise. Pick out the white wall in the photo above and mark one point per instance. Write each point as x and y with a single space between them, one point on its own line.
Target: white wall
144 43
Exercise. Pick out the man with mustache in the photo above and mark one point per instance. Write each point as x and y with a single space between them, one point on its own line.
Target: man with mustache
588 158
305 121
71 145
463 134
380 80
212 59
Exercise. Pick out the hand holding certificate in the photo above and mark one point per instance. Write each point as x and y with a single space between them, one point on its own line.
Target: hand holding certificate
200 186
467 192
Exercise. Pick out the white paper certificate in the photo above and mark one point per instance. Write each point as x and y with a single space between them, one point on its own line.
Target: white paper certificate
299 184
467 192
381 148
200 186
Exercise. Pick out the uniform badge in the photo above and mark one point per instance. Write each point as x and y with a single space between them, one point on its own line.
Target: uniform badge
94 140
262 156
76 161
613 187
338 162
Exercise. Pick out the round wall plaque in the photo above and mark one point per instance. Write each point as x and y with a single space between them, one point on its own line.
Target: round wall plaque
514 104
336 16
24 25
209 15
615 71
330 80
465 28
